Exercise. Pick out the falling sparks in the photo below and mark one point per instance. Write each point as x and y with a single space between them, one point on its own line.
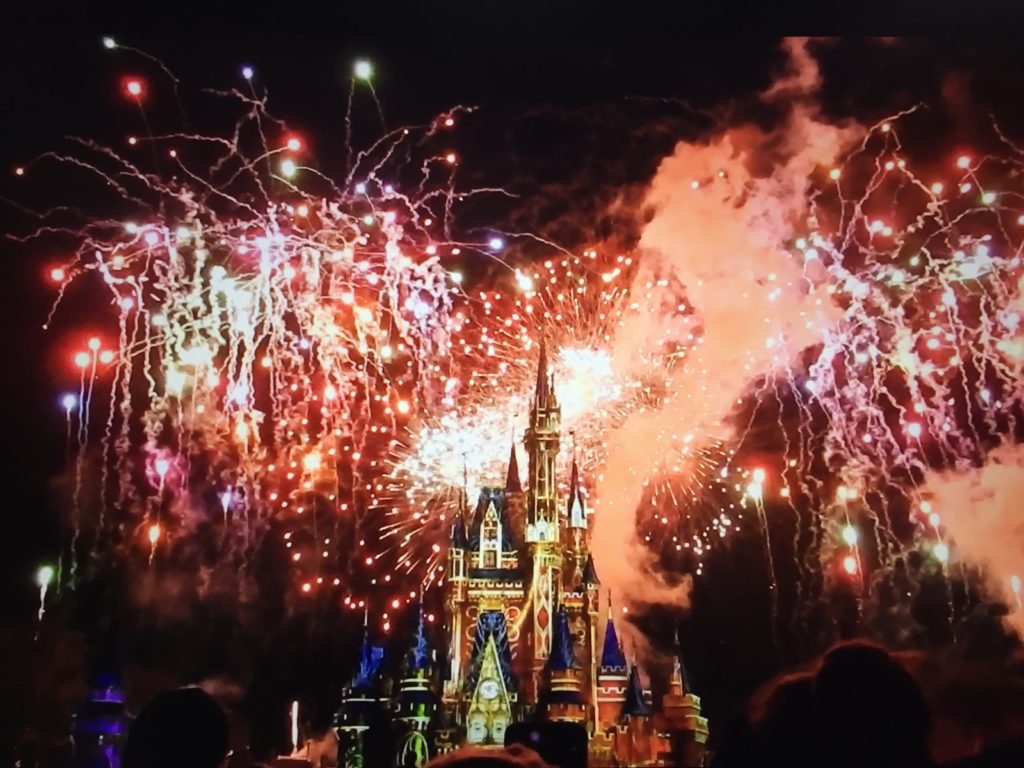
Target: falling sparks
319 349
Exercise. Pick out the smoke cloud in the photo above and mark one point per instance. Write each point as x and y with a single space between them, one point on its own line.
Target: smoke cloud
716 279
980 510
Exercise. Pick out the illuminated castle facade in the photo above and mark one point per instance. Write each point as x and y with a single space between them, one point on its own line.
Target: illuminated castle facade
525 639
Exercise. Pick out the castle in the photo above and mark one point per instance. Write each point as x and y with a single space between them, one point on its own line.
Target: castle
524 636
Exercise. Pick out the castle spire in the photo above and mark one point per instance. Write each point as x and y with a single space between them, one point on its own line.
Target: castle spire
562 657
635 705
418 657
542 373
612 659
680 681
513 484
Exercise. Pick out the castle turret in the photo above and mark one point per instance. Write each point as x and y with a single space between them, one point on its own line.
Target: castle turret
562 697
686 729
542 524
636 739
360 708
100 725
612 676
416 702
542 441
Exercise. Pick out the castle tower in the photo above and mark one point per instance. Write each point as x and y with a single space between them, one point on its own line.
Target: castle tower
416 703
562 698
612 676
454 601
360 708
576 528
542 441
636 741
542 524
686 729
100 725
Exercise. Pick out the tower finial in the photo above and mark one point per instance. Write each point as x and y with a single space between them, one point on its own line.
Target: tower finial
513 483
542 372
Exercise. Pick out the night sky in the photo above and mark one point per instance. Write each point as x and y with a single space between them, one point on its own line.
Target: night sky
576 106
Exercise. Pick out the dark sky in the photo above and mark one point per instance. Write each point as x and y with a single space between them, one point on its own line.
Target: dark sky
576 104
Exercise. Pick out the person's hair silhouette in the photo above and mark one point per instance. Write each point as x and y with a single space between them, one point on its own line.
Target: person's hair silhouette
868 710
185 728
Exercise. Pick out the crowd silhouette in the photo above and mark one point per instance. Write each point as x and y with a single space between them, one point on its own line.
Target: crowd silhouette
858 707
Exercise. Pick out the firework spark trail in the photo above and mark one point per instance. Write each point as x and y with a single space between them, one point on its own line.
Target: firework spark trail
299 341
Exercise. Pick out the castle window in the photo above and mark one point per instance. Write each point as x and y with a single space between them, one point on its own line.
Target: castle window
490 558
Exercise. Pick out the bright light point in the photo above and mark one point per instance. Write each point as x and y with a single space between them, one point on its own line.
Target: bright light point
456 277
941 552
450 158
988 198
57 274
850 535
294 144
934 520
368 219
19 171
360 188
302 210
963 161
834 174
288 168
886 127
1015 584
524 281
69 401
109 43
153 534
134 87
311 462
363 69
496 243
247 72
386 352
850 565
937 188
44 576
82 359
449 122
106 357
151 238
914 429
402 406
759 475
94 344
161 466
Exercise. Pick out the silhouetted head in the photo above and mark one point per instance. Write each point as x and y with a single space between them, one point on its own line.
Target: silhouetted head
868 709
514 756
185 728
782 721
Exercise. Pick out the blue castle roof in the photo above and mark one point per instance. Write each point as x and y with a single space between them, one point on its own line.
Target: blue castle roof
418 657
561 657
634 705
612 660
589 572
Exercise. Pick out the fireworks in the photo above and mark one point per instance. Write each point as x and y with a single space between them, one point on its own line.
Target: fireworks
321 354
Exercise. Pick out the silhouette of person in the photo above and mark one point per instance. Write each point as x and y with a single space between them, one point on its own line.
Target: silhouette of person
184 728
868 710
512 756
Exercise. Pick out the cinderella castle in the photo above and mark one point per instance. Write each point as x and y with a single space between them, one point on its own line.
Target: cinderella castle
524 639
